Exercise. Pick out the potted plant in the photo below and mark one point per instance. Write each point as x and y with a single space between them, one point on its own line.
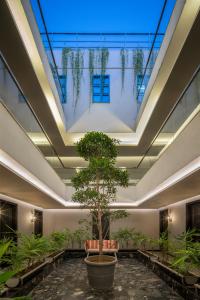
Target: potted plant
95 188
184 261
124 236
187 255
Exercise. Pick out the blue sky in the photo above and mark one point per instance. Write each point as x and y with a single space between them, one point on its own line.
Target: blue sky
105 15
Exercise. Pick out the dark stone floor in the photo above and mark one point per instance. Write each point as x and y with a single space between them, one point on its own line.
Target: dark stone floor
133 281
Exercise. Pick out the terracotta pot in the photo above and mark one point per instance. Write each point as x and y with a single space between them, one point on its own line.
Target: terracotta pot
101 269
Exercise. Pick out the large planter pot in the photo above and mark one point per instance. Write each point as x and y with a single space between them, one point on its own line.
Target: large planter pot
101 269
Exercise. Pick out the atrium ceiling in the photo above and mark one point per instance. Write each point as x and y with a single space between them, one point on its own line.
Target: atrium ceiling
160 117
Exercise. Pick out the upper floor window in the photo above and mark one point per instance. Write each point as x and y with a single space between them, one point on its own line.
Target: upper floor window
101 89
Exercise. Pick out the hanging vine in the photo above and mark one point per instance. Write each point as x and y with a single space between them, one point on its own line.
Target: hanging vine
138 58
124 61
104 56
91 66
65 58
77 63
152 61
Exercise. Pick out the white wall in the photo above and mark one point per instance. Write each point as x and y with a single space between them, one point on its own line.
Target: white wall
117 116
184 149
15 142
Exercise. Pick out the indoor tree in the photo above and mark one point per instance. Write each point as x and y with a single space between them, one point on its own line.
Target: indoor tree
96 185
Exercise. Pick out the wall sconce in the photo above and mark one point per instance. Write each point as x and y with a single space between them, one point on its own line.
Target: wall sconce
169 217
33 217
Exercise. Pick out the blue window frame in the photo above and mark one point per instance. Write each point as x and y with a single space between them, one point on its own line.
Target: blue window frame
101 89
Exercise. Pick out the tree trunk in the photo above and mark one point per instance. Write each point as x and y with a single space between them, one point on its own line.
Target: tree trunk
99 220
100 233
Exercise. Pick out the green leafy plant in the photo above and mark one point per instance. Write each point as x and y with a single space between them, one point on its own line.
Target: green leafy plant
65 59
8 273
104 60
164 245
95 186
91 66
60 239
77 64
186 259
80 235
138 58
30 250
124 61
124 236
140 240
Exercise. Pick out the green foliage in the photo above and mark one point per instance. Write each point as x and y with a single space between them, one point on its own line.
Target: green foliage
96 185
187 258
91 66
104 56
117 214
187 252
97 145
80 235
124 235
164 245
77 64
65 59
31 249
60 239
138 58
140 240
7 274
124 61
188 236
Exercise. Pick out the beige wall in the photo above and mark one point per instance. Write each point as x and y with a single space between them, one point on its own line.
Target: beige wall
177 212
142 220
178 224
146 221
58 219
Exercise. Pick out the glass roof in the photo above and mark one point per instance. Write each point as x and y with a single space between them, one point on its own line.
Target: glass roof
104 16
114 25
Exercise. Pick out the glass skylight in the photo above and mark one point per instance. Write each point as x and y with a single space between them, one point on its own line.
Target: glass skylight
129 29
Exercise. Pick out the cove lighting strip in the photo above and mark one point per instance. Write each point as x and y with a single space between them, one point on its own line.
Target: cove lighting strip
175 178
24 29
19 170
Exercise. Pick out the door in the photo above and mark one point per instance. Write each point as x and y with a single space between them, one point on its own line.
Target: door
193 217
163 221
8 220
38 224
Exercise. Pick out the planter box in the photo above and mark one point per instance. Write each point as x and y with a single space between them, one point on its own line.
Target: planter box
30 279
171 277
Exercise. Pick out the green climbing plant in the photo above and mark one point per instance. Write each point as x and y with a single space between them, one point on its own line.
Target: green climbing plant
104 56
124 61
91 67
65 59
77 64
138 59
